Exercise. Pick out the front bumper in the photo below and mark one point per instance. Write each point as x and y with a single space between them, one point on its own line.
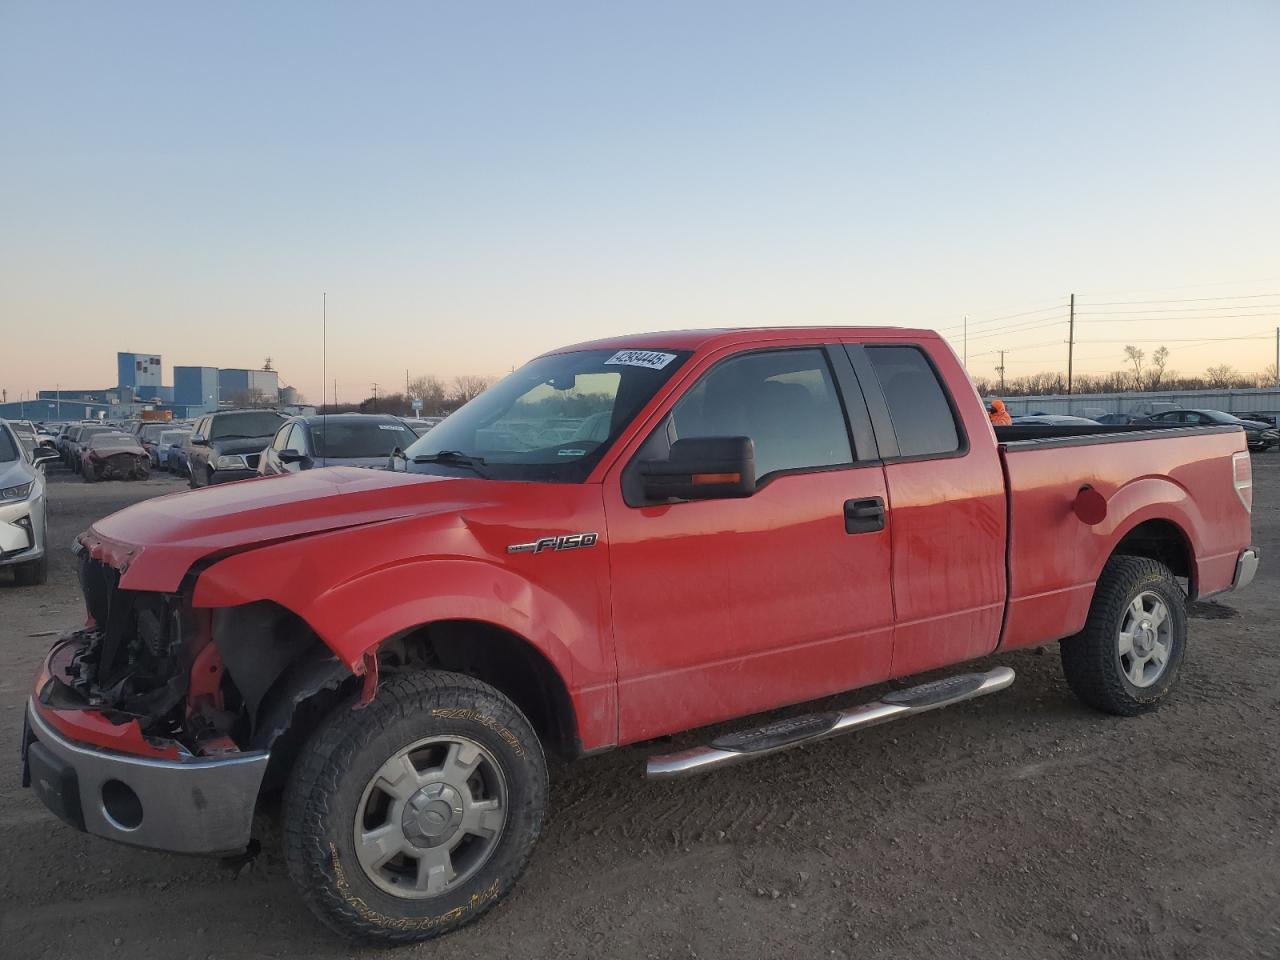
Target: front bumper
189 805
21 531
1246 568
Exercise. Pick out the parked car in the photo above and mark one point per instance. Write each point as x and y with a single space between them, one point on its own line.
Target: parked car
421 425
225 446
1056 420
168 440
341 439
768 517
148 434
1116 419
24 522
79 442
1261 436
114 455
26 433
1267 418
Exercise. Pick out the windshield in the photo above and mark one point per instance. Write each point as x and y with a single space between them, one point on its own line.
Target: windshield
174 436
229 425
552 419
152 431
8 449
356 438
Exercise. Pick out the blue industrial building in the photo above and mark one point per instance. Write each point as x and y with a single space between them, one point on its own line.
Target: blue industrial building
234 383
196 388
138 370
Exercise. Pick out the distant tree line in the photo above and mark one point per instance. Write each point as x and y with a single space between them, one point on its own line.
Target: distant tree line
1141 373
438 398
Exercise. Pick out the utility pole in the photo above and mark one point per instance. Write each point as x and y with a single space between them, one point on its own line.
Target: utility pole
966 341
1071 341
1000 369
1278 356
375 398
406 384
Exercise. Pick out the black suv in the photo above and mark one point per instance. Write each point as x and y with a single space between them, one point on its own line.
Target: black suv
226 446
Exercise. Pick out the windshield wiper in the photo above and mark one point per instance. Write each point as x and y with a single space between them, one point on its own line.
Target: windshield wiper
454 458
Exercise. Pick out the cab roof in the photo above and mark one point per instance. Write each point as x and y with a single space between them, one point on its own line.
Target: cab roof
693 340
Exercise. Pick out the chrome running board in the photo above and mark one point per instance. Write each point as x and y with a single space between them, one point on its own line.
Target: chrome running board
795 731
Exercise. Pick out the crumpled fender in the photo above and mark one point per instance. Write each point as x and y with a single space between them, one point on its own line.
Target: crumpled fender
557 605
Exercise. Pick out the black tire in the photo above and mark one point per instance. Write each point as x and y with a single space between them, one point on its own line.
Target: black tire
33 573
88 476
329 779
1091 659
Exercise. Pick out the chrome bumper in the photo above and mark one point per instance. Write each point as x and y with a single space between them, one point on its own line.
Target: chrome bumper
1246 568
185 806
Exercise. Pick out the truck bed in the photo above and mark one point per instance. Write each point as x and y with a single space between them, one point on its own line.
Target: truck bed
1170 477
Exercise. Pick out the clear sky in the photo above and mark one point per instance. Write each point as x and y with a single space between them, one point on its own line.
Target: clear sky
473 183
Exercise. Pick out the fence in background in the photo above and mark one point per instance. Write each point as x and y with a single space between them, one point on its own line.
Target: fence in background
1265 400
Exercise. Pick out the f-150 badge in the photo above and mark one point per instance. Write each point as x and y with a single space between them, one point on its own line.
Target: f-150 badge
568 541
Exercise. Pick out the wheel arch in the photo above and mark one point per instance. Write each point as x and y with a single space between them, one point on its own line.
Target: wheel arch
1161 539
500 657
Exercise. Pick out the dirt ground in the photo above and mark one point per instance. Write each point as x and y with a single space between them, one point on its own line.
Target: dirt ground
1021 825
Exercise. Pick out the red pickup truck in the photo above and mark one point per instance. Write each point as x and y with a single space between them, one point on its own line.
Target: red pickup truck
621 540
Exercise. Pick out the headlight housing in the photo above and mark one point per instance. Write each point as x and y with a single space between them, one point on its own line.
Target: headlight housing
14 494
230 461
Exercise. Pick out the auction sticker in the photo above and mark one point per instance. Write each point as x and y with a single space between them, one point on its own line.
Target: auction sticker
641 358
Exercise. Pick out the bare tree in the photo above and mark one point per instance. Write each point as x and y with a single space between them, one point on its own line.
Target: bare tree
467 387
1135 356
1220 376
431 391
1155 372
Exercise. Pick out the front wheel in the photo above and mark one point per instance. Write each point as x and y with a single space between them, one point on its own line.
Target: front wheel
411 817
1125 661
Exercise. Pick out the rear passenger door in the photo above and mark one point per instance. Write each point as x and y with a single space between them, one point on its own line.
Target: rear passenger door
946 504
727 607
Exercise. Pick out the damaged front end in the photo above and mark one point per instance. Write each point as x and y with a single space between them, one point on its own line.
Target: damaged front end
157 723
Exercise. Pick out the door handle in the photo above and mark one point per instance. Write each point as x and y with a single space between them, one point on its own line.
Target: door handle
864 516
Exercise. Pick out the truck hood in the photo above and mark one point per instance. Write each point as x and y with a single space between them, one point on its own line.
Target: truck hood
155 543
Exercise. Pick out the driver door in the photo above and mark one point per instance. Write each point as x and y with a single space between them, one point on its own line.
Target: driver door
728 607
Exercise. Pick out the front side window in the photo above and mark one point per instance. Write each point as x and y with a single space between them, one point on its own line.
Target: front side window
785 401
281 441
297 441
552 420
922 417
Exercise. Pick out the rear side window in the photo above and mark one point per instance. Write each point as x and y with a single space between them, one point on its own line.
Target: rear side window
922 417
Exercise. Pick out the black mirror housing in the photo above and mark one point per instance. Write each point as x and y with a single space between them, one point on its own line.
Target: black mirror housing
197 440
291 456
702 468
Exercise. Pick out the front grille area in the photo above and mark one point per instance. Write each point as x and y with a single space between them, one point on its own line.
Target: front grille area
131 658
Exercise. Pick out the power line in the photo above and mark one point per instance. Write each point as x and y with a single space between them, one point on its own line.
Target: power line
1241 296
1163 310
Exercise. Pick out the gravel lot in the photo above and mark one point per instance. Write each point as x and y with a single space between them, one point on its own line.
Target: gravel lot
1021 825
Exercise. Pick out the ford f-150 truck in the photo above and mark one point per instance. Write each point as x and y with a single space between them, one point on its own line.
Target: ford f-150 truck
622 540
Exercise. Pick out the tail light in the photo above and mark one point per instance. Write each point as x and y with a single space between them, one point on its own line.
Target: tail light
1242 477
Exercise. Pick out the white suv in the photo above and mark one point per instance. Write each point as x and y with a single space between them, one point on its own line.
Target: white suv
24 525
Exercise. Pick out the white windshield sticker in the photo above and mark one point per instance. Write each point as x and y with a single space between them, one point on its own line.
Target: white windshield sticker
641 358
389 426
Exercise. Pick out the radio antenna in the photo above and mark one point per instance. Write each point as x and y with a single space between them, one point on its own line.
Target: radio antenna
324 359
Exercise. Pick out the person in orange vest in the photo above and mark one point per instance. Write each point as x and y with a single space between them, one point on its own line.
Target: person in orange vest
999 415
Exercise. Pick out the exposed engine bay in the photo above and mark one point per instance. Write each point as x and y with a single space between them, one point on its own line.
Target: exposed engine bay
211 681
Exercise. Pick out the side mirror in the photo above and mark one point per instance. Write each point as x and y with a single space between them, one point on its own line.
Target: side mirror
292 456
702 468
43 455
198 440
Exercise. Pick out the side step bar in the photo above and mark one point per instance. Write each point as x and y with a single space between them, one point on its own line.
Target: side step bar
794 731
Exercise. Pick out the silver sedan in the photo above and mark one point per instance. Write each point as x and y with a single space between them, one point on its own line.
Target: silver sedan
24 526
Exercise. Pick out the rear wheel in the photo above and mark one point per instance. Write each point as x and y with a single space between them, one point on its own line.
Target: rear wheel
1125 661
411 817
